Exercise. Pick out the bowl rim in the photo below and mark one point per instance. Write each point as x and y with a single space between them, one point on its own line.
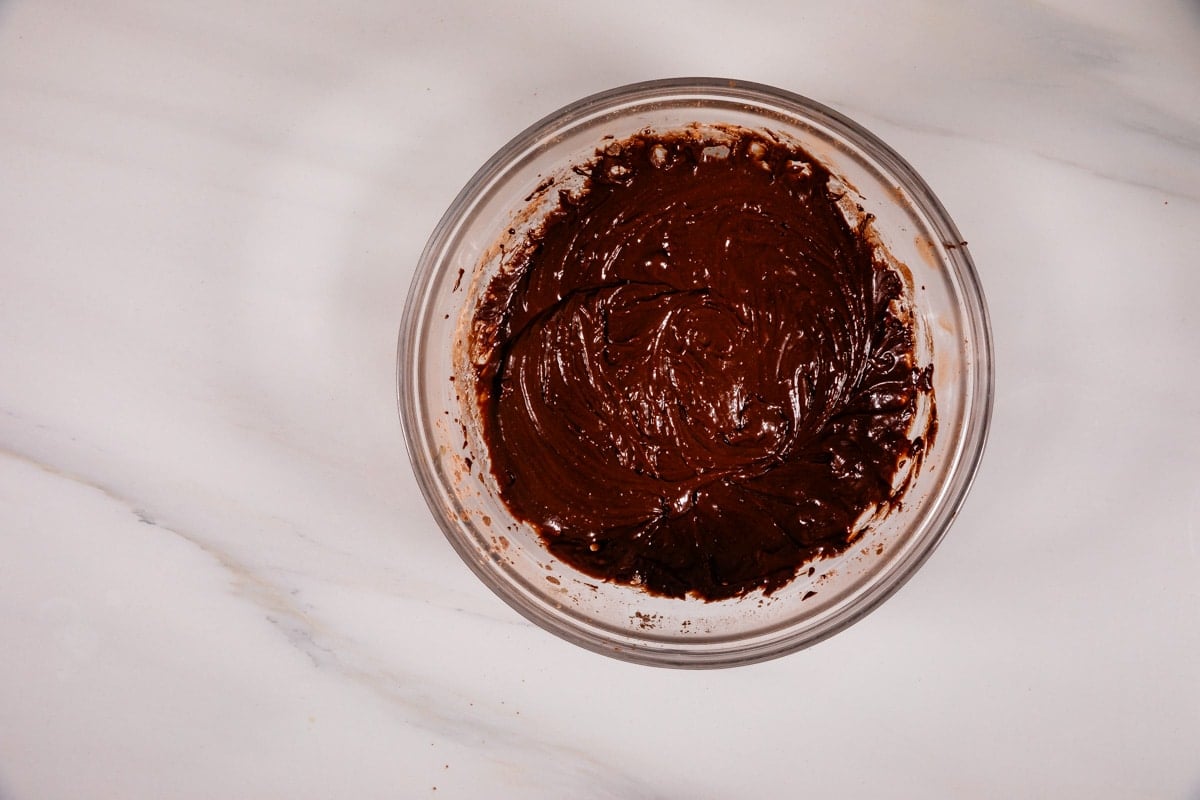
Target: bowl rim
977 416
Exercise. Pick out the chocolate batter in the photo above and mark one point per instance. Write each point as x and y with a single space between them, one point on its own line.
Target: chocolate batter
698 375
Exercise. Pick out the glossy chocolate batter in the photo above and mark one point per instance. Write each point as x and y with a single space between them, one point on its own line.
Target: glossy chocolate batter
698 374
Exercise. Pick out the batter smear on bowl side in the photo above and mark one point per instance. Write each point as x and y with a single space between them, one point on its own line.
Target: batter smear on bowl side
699 373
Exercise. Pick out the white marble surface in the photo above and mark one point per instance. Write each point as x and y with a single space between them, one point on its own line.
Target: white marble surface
218 578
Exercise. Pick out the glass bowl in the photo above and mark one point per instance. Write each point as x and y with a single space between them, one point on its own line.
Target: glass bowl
441 426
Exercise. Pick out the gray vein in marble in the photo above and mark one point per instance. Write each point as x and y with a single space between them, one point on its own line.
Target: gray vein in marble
329 651
182 121
1090 169
59 145
1189 140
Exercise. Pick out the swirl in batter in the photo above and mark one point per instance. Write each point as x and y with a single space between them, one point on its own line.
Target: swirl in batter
700 375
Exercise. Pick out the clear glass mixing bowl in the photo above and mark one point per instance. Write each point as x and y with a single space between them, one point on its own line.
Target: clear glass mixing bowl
441 424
